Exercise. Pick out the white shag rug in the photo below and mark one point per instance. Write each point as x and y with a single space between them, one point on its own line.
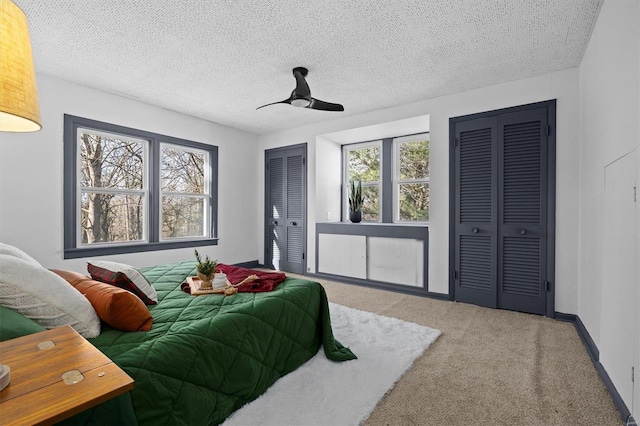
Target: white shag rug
322 392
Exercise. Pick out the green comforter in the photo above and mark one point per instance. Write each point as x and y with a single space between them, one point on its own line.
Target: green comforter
207 356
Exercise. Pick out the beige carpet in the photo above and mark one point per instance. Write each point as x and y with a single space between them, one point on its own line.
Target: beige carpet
489 367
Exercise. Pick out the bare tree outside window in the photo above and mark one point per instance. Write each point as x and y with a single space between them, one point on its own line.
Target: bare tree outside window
184 200
112 188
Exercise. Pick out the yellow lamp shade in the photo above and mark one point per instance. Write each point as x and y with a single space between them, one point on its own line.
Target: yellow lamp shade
19 110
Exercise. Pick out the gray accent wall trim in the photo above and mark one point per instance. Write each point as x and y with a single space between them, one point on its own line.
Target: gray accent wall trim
71 251
594 354
592 349
249 264
551 207
386 198
374 230
135 248
414 291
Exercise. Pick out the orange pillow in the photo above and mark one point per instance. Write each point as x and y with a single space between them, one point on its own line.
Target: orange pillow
119 308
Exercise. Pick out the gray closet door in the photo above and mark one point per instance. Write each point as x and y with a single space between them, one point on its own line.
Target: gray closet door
501 234
476 212
285 209
522 232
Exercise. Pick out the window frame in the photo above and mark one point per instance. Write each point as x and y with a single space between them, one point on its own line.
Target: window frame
204 196
144 191
345 176
389 192
71 224
397 182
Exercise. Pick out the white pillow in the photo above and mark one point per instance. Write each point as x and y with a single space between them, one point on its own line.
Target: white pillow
15 251
45 297
148 296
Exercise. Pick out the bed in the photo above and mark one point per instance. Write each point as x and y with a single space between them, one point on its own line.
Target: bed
206 356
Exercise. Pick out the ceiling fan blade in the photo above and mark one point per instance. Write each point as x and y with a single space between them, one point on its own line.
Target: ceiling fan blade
286 101
302 88
324 106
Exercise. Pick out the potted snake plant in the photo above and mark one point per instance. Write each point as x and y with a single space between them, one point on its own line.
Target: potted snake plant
356 199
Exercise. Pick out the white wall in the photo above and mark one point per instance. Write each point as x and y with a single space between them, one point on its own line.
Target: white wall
31 176
329 180
559 85
609 129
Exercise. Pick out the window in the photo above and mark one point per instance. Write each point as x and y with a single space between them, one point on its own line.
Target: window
128 190
112 186
411 179
184 192
395 178
363 162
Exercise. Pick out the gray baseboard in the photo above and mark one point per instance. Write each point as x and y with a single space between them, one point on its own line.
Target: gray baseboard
594 353
414 291
250 264
588 342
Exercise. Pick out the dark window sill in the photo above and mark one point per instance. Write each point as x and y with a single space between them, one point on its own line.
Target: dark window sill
374 229
413 224
76 253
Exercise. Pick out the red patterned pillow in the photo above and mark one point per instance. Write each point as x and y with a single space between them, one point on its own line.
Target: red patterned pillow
116 274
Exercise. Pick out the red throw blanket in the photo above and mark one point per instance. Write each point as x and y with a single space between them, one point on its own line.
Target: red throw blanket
266 281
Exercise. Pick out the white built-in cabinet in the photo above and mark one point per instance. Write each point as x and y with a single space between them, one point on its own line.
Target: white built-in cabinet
374 253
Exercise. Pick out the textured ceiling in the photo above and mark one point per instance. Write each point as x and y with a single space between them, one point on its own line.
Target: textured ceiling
219 60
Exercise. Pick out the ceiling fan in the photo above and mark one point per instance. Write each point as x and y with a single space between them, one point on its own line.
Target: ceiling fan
301 95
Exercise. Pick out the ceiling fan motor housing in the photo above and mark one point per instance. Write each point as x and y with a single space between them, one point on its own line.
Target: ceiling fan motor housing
301 70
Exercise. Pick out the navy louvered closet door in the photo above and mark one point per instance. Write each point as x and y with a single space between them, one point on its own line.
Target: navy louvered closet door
285 207
522 237
476 226
500 253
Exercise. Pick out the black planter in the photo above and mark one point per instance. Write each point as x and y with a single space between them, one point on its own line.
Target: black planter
355 217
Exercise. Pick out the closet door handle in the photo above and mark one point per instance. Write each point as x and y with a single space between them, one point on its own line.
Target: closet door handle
523 231
475 230
294 223
275 222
